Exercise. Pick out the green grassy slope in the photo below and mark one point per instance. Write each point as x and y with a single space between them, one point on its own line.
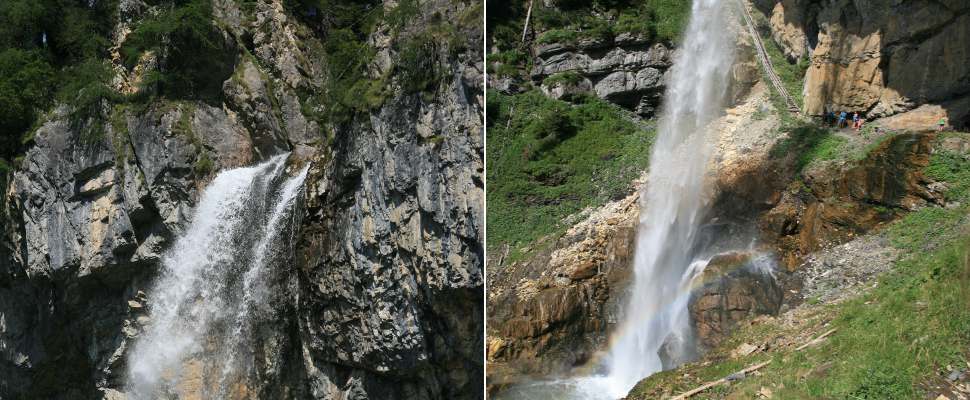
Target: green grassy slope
548 159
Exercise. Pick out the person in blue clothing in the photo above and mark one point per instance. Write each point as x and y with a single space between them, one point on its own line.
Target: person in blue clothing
841 118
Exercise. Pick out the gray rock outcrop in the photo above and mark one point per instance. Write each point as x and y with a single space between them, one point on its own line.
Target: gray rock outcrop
627 71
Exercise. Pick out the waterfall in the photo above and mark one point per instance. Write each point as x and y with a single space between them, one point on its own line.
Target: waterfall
215 287
673 204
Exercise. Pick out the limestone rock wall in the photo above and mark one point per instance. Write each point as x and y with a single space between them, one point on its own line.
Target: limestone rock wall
880 57
627 71
390 260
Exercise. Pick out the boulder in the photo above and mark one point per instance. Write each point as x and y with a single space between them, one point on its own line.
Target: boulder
568 90
736 286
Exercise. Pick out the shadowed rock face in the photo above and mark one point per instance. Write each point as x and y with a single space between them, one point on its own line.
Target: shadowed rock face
879 56
842 203
383 300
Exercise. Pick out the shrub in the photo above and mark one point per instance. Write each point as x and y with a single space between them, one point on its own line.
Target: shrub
565 36
568 77
26 81
194 57
418 64
87 91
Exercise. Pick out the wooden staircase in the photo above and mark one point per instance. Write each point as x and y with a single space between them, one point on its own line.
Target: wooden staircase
766 62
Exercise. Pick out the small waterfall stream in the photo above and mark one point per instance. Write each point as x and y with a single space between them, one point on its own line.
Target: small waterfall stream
215 287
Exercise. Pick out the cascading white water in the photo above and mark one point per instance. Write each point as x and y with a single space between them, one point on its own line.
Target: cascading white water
668 262
656 332
214 283
674 202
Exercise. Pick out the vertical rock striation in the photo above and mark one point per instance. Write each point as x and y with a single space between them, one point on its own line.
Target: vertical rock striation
390 258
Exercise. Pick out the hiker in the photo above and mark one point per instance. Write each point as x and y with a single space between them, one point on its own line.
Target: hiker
942 123
841 119
855 120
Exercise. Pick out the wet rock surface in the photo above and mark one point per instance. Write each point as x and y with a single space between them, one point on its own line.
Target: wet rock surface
555 310
735 287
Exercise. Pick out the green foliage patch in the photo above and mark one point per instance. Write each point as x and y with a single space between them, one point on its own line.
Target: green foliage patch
954 169
26 81
661 20
194 57
913 324
508 63
47 52
792 75
572 21
549 159
344 27
568 77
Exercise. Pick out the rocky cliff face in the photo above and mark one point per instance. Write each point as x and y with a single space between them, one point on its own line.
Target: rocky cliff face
554 310
390 258
833 205
879 57
627 71
384 299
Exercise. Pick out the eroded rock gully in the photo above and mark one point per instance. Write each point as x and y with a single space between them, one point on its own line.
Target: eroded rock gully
383 300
